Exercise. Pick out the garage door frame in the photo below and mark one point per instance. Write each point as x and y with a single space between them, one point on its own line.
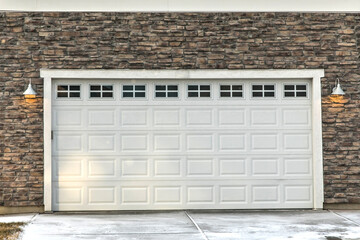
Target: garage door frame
314 75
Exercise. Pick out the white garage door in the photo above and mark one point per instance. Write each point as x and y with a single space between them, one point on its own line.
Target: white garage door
174 144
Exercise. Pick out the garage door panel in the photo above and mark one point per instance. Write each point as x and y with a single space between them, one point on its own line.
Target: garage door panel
231 117
264 117
71 117
183 153
166 117
125 195
134 142
134 118
299 117
101 142
69 143
100 118
199 117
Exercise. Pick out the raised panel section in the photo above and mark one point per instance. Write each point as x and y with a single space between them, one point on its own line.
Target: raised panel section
134 142
101 118
134 118
199 117
69 195
68 168
234 142
200 142
167 167
232 167
297 141
167 142
166 118
296 117
231 117
232 194
69 142
101 143
197 167
101 195
297 193
297 166
265 193
169 195
135 168
200 194
263 117
135 195
101 168
67 117
265 166
264 142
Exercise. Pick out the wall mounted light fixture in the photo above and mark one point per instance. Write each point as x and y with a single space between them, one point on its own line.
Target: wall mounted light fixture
337 90
30 92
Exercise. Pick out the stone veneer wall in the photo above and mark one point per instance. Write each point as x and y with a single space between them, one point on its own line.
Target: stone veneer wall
30 41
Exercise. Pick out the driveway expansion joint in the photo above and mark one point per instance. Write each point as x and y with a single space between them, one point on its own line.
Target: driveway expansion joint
196 225
343 217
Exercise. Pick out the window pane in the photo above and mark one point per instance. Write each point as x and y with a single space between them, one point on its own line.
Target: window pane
160 87
95 87
140 88
269 94
204 87
127 94
127 88
192 87
75 88
107 94
192 94
289 94
237 87
225 94
257 87
74 94
257 94
237 94
62 87
301 94
107 87
139 94
289 87
172 94
62 94
269 87
160 94
300 87
204 94
172 87
224 87
95 94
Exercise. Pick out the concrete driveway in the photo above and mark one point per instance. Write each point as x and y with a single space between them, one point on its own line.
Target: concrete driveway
192 225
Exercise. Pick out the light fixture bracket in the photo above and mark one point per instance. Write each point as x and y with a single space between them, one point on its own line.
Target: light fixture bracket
337 90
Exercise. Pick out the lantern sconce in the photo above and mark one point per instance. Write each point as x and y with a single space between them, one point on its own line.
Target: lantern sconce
337 90
30 92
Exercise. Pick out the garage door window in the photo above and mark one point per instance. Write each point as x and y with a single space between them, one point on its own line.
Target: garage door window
101 91
199 91
134 91
231 91
298 90
166 91
68 91
263 90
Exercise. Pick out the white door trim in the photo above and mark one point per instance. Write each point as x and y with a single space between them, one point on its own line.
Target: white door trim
313 74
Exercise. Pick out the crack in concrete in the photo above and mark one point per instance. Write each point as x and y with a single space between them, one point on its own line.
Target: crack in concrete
196 225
